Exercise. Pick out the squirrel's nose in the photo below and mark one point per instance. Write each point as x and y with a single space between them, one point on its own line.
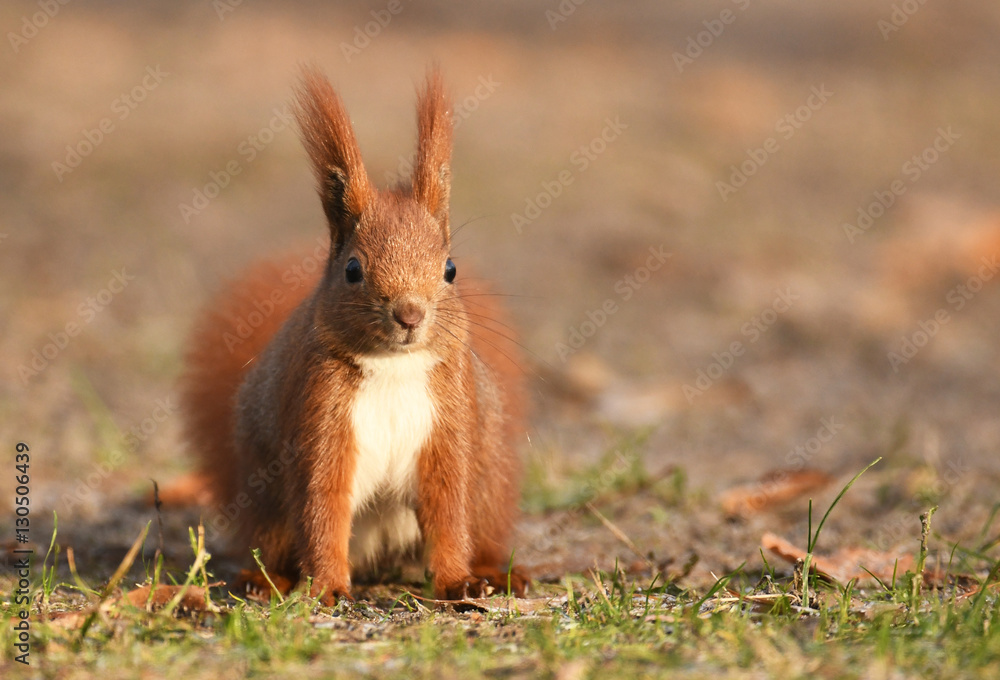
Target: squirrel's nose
409 314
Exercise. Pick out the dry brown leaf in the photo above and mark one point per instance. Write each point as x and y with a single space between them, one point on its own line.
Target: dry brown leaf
945 239
983 247
975 591
193 600
588 375
845 564
772 489
963 585
521 605
730 390
69 620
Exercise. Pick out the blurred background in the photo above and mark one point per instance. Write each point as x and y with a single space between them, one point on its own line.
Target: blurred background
727 229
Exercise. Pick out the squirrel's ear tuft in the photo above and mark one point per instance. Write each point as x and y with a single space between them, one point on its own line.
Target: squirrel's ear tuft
432 171
328 137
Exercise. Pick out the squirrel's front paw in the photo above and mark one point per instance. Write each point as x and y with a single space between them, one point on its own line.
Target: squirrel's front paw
329 595
514 581
255 586
469 587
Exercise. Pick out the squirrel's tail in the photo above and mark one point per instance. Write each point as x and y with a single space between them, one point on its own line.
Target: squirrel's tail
230 333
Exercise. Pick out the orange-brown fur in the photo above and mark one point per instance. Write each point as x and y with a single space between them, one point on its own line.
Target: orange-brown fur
283 396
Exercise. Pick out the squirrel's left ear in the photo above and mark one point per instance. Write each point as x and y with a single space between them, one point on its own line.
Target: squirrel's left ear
343 184
432 172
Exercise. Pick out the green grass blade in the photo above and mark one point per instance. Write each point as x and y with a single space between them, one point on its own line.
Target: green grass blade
813 539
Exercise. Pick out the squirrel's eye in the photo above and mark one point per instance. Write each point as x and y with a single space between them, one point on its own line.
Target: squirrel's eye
353 271
449 271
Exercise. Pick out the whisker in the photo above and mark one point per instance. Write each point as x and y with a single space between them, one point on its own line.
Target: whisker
509 358
487 317
455 231
454 316
497 332
490 318
472 351
463 296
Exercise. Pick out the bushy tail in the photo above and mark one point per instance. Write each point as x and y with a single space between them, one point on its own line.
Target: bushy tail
498 465
228 336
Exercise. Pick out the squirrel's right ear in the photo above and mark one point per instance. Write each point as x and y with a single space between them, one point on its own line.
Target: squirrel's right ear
432 173
328 137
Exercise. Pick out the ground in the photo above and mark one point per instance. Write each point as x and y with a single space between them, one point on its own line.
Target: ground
743 242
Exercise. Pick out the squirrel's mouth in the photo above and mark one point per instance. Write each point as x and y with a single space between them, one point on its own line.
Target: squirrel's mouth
406 341
391 339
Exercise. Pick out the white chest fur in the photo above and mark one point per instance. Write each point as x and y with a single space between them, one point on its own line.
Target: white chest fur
393 416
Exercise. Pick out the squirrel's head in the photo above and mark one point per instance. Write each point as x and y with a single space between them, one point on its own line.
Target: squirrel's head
388 285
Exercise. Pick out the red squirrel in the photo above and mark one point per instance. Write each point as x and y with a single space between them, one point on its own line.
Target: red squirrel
378 400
